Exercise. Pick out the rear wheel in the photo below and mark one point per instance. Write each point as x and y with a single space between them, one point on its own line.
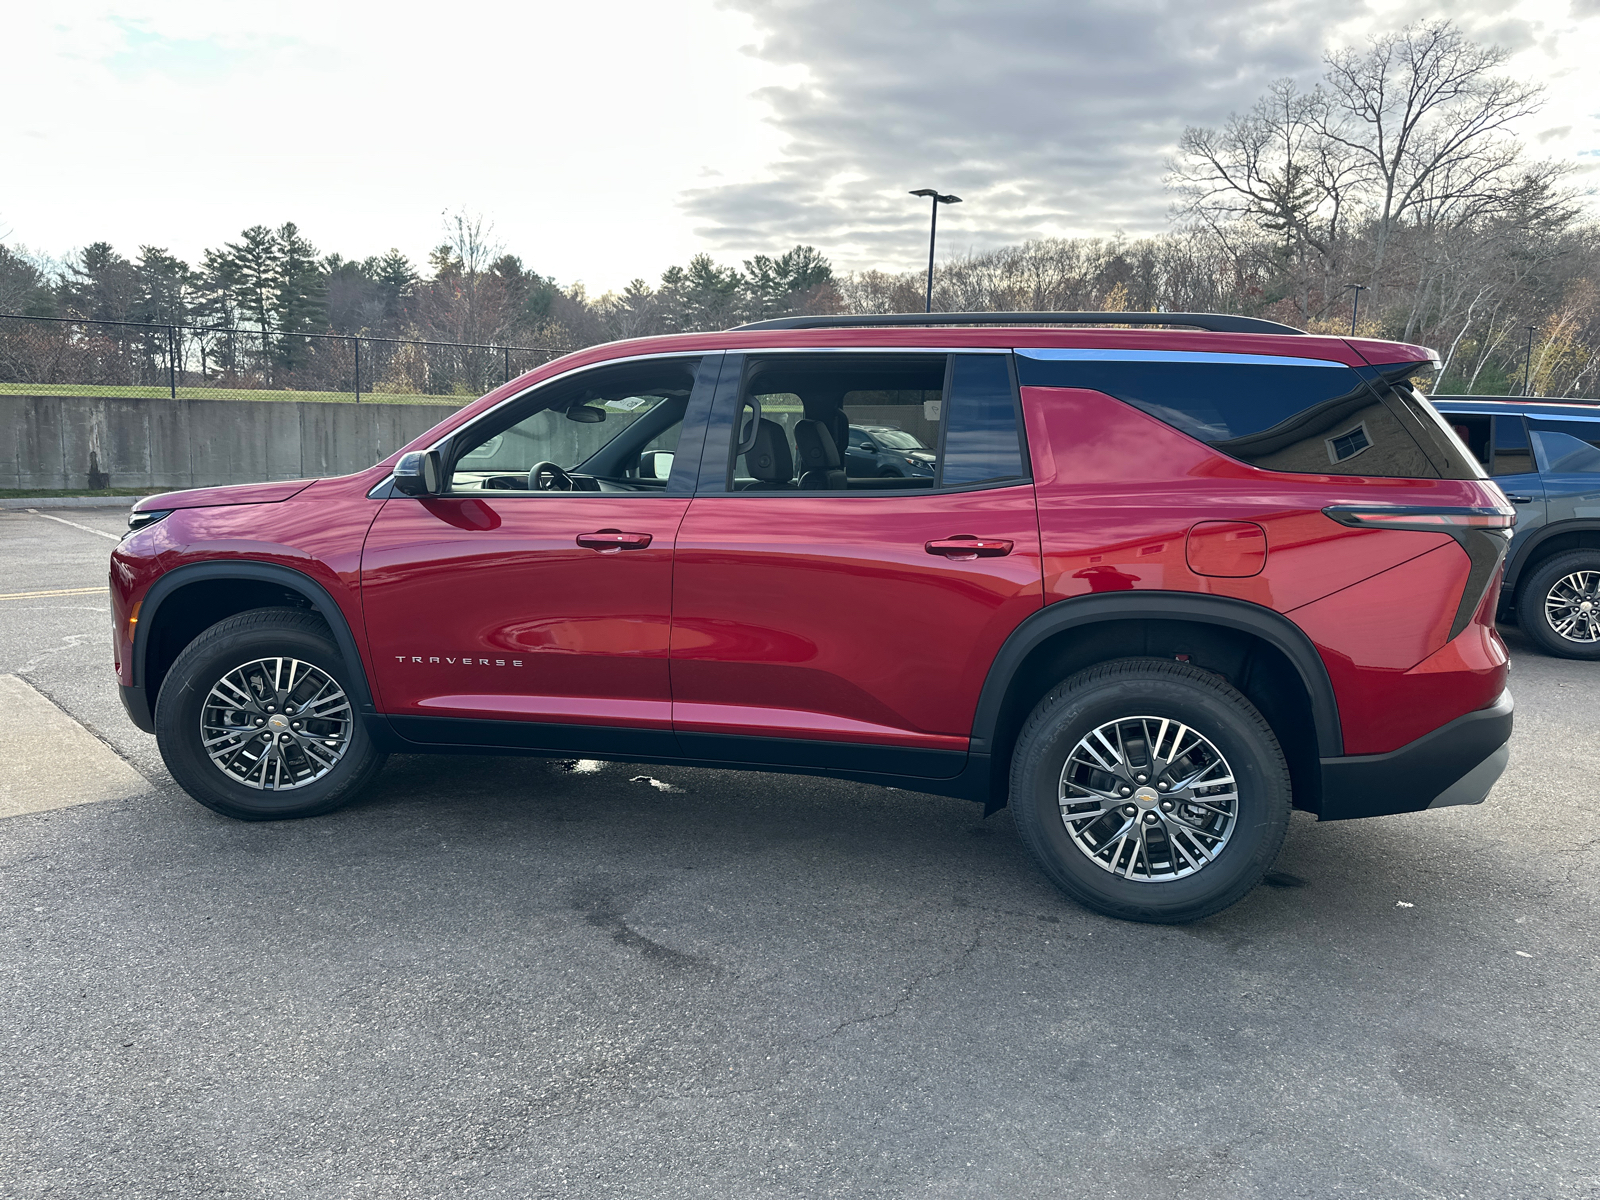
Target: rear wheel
1150 790
1559 605
256 719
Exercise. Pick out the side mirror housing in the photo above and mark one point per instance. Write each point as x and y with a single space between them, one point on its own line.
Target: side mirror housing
419 474
655 464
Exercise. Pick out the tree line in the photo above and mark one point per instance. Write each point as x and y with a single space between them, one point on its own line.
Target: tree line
1398 182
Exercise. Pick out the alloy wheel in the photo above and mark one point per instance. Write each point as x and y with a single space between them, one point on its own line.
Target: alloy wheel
1148 798
276 724
1572 606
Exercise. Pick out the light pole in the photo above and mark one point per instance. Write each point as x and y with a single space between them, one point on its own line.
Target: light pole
1527 361
1355 308
933 229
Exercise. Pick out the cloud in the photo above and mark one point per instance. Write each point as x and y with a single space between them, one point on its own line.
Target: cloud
1045 117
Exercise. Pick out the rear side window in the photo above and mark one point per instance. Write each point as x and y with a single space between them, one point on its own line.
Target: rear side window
1499 443
1281 414
980 433
1568 447
877 423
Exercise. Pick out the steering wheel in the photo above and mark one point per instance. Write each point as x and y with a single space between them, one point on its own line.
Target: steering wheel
547 477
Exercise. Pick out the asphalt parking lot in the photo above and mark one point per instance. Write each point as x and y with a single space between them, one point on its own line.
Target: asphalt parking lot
511 977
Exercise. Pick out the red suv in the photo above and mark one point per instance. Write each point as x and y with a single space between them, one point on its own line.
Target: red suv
1157 587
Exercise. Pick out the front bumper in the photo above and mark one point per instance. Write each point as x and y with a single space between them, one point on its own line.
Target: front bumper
137 705
1457 763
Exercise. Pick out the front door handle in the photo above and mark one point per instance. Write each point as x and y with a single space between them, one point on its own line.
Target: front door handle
964 547
1520 499
608 541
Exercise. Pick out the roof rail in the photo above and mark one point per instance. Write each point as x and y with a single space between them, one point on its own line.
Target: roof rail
1214 322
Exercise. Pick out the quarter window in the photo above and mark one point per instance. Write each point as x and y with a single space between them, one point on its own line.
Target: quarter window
1568 447
1301 415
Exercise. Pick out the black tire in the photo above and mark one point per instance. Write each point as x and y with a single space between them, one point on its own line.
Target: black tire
1207 705
891 473
1534 618
232 644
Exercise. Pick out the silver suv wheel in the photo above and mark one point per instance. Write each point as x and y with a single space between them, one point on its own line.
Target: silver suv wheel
1148 798
275 724
1572 606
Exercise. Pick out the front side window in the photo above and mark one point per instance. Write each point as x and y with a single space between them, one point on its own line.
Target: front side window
607 429
874 423
1567 447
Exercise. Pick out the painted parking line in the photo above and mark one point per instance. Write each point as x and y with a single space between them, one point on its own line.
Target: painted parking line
99 591
115 537
50 760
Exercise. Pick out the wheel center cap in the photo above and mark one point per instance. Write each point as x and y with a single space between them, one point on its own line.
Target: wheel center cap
277 721
1147 798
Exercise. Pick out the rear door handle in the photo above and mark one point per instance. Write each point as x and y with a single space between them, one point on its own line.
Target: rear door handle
611 540
964 547
1520 499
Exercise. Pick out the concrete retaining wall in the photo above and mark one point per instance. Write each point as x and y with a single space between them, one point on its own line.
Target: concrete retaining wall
94 442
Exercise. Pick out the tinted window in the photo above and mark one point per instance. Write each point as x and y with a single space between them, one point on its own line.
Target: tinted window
1301 415
1568 446
980 438
876 423
1512 454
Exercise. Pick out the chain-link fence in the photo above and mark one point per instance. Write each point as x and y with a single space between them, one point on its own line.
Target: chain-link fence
64 355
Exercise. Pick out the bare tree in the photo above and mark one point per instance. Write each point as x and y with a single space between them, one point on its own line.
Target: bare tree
1425 116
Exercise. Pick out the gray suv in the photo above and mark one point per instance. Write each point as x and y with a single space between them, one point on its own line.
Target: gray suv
1545 455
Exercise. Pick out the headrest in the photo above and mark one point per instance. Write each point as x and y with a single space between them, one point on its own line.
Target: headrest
769 459
813 441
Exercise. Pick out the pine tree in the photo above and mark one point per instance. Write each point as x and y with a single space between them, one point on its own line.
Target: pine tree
302 300
101 285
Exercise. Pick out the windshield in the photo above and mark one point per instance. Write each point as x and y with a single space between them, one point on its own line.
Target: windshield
897 439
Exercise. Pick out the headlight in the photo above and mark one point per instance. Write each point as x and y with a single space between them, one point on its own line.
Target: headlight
139 520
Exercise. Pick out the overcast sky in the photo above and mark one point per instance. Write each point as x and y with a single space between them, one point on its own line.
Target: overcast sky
608 140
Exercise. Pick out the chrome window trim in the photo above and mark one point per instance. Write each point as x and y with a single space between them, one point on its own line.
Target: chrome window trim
533 387
1093 354
607 362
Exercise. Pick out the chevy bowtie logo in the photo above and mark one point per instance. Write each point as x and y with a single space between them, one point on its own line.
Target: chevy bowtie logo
462 662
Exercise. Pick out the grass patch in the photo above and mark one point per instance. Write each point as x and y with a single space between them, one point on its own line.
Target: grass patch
45 493
120 392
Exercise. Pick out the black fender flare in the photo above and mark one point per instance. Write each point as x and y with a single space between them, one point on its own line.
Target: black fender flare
321 602
1272 627
1524 555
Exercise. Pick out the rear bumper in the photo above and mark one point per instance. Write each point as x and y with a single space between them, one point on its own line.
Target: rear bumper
137 706
1457 763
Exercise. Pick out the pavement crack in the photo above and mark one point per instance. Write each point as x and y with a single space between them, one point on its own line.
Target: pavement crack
911 985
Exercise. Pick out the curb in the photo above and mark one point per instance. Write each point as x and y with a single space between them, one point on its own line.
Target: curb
11 504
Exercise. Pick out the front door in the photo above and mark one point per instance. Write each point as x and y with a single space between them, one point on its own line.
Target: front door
827 620
529 606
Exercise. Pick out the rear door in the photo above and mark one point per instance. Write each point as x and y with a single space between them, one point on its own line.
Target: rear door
1569 458
821 619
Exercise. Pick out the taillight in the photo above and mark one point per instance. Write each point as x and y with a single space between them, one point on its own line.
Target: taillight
1422 518
1483 533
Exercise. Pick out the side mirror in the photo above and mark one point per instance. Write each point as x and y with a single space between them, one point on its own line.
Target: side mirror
867 446
419 474
655 464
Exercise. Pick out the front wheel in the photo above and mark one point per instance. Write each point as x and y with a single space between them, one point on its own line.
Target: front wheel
256 719
1559 605
1150 790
